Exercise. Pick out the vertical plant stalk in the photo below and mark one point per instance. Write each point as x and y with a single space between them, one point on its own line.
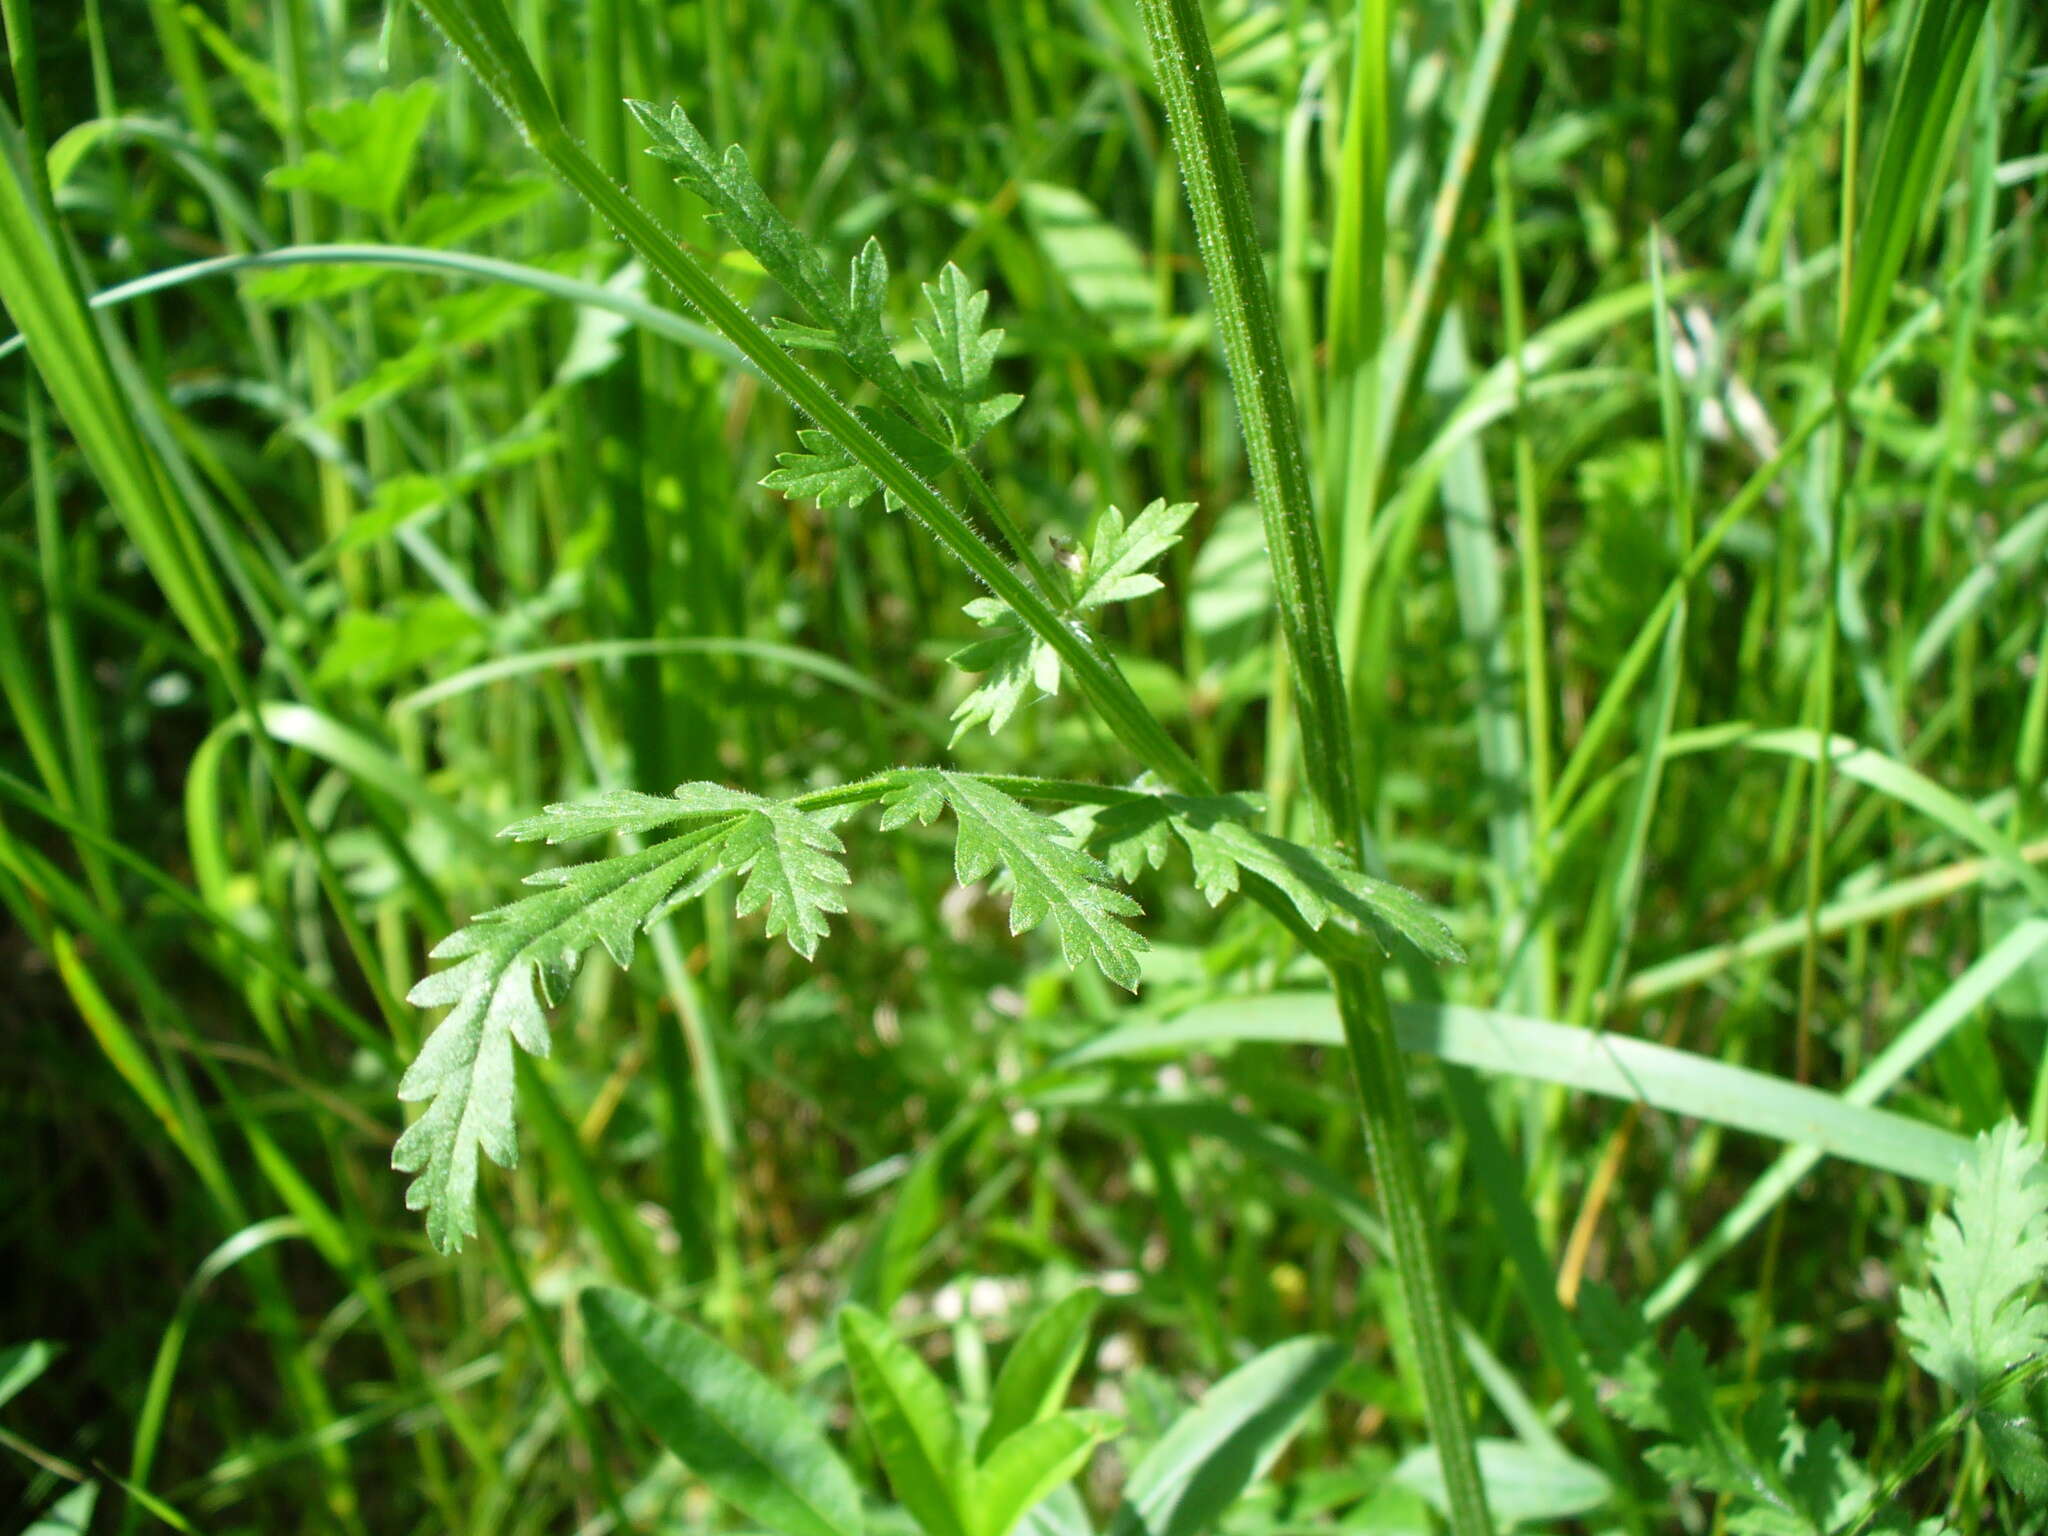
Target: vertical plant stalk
28 92
1205 145
1831 632
1356 308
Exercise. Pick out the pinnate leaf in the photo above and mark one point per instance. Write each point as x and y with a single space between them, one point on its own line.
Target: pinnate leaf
464 1072
963 355
1223 846
1118 561
827 473
848 320
1778 1476
1987 1257
823 471
1049 876
790 860
1981 1316
1014 659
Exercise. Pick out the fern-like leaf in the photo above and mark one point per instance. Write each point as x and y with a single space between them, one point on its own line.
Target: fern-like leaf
1981 1316
1049 876
1987 1257
827 473
1779 1477
1012 657
790 860
850 319
465 1070
1118 561
1223 846
823 472
963 355
1012 660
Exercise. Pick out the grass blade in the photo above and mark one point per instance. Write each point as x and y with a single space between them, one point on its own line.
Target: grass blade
728 1423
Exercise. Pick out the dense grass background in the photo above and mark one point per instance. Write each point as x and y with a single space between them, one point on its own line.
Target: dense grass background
466 549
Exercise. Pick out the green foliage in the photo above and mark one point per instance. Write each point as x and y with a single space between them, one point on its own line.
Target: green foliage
788 858
760 1452
916 1432
1025 1467
947 407
1982 1315
827 472
1048 875
370 149
270 519
963 357
1778 1477
1222 846
1525 1484
849 320
1039 1368
1217 1449
823 472
725 1421
69 1516
1971 1328
1015 659
788 861
948 1487
1987 1258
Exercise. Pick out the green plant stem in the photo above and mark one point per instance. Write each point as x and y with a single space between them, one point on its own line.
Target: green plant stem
28 92
1203 142
1838 533
483 35
1937 1438
1205 145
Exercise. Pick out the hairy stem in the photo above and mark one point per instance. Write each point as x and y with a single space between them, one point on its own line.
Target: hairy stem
1204 143
483 35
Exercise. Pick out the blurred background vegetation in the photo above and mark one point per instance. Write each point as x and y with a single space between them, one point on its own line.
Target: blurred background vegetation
482 548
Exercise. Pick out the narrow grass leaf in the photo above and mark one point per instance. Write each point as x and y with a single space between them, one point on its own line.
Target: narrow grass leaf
1944 35
1614 1066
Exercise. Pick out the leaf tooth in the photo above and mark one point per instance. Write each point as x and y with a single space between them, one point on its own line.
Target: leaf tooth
488 1111
472 938
447 1050
517 1012
416 1144
438 988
